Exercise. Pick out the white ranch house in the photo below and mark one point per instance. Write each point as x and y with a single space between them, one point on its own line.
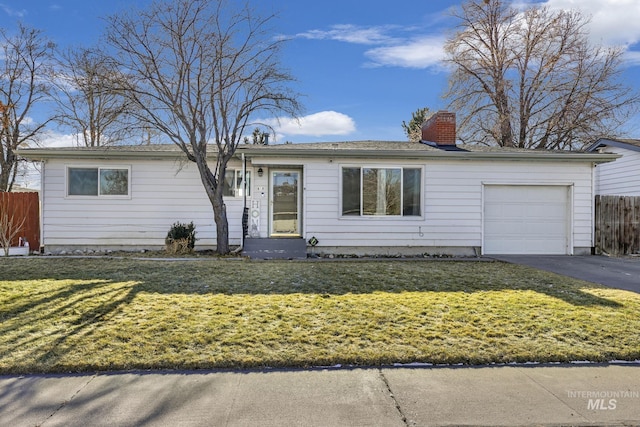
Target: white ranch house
367 197
621 177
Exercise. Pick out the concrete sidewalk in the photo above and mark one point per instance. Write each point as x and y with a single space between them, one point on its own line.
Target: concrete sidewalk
404 396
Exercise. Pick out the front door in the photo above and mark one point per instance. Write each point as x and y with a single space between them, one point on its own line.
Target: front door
285 203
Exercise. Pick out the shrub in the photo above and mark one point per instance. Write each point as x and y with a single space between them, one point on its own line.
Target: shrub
181 238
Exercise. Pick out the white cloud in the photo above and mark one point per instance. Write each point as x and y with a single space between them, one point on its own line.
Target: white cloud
613 22
13 12
318 124
422 52
55 139
632 58
351 34
393 47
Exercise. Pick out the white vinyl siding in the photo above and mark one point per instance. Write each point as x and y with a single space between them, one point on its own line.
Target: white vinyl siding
161 193
452 203
165 191
620 177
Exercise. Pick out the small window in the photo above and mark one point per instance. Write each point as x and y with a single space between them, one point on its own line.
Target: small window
83 182
114 182
95 181
371 191
233 185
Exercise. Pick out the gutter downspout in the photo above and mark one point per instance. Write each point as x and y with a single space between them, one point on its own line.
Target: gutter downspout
244 202
41 197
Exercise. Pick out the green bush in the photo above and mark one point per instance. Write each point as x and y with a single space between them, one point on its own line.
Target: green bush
181 238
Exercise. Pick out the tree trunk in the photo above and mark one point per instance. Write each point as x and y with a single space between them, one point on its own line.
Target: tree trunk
7 174
504 117
222 223
214 190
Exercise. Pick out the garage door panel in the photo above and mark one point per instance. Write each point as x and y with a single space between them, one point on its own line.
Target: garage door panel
505 194
529 247
551 230
512 211
526 220
504 228
557 213
544 211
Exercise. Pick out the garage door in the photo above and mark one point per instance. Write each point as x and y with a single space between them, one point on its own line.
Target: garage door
526 219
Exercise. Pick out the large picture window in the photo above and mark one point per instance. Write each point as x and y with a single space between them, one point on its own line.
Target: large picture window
381 191
97 181
233 183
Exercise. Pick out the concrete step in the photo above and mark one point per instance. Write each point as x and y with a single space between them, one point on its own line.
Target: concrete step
275 248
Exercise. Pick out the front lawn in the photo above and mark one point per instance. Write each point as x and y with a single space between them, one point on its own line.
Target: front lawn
73 315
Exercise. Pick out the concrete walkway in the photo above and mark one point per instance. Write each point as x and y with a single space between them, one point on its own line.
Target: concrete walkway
404 396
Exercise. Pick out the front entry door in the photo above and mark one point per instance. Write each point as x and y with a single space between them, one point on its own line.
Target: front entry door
285 203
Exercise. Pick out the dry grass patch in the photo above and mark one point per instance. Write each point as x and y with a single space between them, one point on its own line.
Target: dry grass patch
61 315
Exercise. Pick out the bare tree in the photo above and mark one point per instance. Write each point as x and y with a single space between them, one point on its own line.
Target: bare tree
88 99
532 79
413 129
203 69
24 63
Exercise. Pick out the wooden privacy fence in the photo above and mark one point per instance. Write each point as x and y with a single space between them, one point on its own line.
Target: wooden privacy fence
22 206
617 225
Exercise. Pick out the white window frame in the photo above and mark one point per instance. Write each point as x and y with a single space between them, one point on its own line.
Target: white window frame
98 195
237 189
379 217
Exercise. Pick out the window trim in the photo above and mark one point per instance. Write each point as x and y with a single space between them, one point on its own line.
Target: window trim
98 195
421 168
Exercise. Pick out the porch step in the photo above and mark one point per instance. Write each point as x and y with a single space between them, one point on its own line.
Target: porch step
282 248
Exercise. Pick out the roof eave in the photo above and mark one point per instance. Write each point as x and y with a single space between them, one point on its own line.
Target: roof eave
603 142
46 154
595 157
451 155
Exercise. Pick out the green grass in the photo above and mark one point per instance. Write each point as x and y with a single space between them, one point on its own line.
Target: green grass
74 315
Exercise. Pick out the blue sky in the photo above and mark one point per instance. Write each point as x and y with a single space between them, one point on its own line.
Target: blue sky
362 67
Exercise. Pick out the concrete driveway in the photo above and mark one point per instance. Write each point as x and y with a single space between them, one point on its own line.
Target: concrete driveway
621 273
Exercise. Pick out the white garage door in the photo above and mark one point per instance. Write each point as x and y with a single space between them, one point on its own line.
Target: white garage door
526 219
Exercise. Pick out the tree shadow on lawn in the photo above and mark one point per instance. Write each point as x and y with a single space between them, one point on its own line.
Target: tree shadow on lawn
326 278
42 324
98 292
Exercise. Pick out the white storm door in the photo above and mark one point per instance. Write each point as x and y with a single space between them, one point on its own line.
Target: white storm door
285 203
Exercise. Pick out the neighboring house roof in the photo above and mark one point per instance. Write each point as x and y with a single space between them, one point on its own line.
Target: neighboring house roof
346 149
629 144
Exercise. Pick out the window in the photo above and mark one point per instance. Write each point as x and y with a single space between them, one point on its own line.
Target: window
96 181
381 191
233 183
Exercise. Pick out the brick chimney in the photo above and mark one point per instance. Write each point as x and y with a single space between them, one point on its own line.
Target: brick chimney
440 129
